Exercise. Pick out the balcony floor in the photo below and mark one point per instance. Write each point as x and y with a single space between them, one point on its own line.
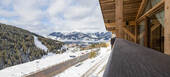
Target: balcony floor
131 60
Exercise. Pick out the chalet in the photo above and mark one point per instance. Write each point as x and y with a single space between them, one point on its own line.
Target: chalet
145 22
142 46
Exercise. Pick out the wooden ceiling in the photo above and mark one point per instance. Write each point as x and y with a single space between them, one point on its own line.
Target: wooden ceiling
108 10
130 10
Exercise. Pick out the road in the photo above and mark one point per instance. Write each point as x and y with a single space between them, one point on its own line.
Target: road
93 67
98 68
56 69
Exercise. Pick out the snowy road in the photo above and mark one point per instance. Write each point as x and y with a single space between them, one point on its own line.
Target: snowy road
98 69
91 71
89 68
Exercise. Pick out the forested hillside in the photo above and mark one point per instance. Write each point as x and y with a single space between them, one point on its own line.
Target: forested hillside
17 46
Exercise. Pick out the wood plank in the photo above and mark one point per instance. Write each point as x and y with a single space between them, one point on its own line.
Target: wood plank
109 11
167 27
106 1
131 60
107 7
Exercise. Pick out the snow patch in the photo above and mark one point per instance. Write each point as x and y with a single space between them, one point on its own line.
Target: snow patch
39 44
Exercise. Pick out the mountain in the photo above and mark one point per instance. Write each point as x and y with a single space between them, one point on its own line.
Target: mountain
80 36
19 46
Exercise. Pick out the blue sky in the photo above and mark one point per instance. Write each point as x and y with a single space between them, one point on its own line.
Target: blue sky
46 16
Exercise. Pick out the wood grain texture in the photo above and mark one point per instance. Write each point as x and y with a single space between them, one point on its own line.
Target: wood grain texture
131 60
167 27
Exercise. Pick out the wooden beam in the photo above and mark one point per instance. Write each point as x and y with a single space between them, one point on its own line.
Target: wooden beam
119 18
113 32
157 8
141 8
132 23
129 33
154 27
131 2
110 24
167 28
104 1
111 28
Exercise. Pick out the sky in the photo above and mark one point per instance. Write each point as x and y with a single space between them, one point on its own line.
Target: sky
47 16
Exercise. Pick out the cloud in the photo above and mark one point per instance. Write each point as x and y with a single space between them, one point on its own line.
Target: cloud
46 16
57 7
77 12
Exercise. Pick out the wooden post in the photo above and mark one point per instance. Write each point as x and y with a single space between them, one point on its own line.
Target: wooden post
119 18
125 36
147 33
136 33
167 28
160 41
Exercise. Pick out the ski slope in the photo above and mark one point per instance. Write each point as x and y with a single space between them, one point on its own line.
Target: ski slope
39 44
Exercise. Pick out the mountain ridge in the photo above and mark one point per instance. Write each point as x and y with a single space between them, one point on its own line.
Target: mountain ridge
80 36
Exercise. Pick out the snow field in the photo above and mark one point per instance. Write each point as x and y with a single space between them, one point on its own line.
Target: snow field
40 64
83 68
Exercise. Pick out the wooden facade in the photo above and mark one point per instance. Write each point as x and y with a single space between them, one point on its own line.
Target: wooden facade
146 22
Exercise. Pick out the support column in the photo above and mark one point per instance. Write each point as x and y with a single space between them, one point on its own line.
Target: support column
136 33
119 18
167 28
147 33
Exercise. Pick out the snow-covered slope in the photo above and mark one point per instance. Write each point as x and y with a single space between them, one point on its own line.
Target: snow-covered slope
39 44
79 36
20 46
49 60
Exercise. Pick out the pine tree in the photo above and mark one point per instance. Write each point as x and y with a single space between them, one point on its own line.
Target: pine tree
24 46
9 62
